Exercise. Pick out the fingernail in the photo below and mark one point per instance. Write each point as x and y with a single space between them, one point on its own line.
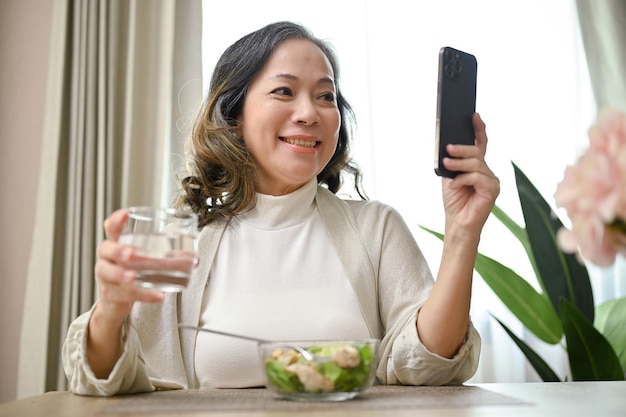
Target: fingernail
126 254
129 276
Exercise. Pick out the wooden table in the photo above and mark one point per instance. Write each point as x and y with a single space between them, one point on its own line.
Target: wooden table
588 399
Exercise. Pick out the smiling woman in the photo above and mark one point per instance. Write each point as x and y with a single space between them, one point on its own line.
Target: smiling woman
536 98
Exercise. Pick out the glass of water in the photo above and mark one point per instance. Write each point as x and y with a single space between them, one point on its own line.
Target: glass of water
165 242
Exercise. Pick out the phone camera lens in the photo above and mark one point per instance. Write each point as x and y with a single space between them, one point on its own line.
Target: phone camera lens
449 56
449 70
458 67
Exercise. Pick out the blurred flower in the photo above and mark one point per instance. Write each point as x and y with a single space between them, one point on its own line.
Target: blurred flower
593 192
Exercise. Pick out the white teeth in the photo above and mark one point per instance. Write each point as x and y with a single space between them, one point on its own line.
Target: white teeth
300 142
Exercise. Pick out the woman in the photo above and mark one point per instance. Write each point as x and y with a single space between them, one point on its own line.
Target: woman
281 257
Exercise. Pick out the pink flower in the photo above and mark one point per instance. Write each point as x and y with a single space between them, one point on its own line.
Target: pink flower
593 192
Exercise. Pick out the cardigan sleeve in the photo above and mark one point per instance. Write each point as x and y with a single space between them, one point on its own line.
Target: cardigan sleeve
128 375
404 281
151 355
410 363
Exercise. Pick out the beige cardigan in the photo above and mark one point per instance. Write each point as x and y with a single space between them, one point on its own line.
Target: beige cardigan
381 259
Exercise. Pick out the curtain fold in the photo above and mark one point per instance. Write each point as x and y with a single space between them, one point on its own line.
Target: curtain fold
112 108
603 29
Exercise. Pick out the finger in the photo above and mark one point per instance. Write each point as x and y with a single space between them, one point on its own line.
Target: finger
110 273
128 294
116 285
115 263
464 151
110 252
485 181
466 164
178 261
114 251
114 224
480 132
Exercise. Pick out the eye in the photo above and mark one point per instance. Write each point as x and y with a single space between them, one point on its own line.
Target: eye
282 91
329 97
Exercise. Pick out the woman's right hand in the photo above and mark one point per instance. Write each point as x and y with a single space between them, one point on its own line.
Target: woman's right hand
114 271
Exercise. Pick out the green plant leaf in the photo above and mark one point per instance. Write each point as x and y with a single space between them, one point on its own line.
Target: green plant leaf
611 322
562 275
591 356
541 367
531 308
520 233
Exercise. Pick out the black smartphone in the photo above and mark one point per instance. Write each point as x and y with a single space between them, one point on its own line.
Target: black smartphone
456 103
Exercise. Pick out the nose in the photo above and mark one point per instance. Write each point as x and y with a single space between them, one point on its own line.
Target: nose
306 112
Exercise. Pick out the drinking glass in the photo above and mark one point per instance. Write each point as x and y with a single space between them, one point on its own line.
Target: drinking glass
165 242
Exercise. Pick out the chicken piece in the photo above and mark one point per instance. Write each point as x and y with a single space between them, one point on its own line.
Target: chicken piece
311 378
347 357
287 358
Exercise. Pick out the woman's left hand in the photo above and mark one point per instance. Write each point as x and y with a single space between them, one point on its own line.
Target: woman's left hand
469 197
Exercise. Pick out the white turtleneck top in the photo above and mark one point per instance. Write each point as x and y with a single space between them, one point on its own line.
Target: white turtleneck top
276 276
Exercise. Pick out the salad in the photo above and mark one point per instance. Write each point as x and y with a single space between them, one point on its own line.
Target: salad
349 370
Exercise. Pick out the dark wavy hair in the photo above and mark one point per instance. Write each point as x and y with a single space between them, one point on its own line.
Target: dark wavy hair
221 172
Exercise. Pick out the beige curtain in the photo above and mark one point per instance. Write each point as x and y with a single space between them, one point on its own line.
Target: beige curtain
123 74
603 28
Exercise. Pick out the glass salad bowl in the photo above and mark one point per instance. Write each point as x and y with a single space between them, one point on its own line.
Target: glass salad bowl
319 370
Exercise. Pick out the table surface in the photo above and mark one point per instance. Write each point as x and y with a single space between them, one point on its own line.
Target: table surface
596 399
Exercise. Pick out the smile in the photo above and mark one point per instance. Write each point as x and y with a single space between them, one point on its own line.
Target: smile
300 142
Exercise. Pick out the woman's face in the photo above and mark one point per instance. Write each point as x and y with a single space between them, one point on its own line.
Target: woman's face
290 120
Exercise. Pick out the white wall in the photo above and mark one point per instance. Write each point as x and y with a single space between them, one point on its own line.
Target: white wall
24 35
